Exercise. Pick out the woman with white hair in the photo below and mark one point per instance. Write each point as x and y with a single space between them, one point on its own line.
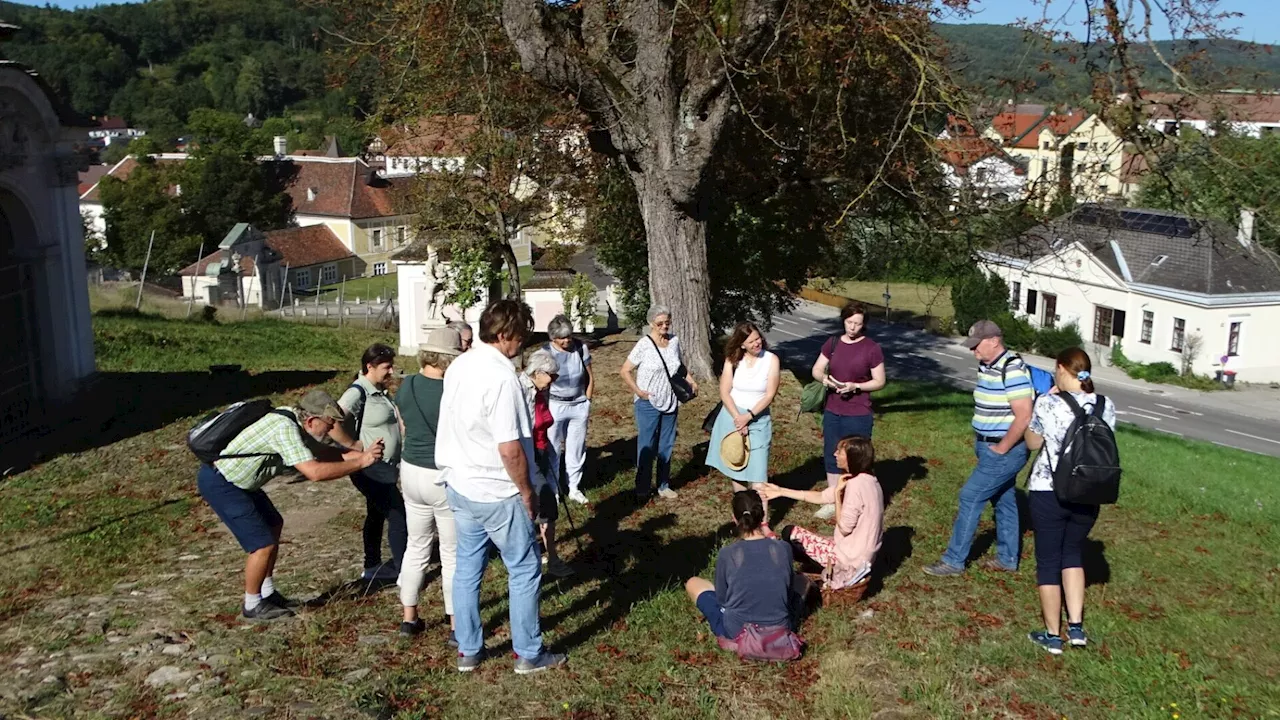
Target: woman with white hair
540 371
652 371
570 405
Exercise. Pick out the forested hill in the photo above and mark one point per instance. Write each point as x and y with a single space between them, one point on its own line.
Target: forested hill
1001 61
154 62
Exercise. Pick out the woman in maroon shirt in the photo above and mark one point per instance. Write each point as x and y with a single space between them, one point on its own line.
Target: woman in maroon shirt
541 370
851 365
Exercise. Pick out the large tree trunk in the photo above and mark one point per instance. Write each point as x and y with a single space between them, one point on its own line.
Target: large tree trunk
677 243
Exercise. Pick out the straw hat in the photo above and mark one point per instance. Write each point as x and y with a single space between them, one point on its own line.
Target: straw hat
735 451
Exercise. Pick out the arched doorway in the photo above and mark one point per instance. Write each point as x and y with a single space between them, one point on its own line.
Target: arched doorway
19 379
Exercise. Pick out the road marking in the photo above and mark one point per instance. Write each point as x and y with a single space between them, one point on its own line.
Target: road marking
1179 410
957 377
1169 432
788 332
1130 412
1155 412
1236 447
1253 437
947 354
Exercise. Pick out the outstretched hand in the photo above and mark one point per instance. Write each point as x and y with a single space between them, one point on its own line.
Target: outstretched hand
768 491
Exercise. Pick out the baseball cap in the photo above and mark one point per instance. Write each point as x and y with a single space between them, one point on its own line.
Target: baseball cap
980 331
319 403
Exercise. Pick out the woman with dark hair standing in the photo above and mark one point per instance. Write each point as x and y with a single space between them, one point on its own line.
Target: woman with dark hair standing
847 555
754 580
851 365
372 416
1061 528
748 384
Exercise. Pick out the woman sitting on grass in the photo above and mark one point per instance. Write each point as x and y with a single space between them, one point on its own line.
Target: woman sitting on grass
845 557
754 580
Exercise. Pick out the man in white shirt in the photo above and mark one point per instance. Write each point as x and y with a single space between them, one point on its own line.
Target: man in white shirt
483 448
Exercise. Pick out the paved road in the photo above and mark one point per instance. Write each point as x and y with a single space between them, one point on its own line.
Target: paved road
913 354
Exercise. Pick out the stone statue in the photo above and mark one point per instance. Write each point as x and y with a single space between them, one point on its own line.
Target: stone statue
435 285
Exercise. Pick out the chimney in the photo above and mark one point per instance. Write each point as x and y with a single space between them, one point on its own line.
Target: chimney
1244 233
281 145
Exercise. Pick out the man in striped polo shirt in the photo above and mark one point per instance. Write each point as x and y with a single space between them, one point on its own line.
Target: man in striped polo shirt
1002 411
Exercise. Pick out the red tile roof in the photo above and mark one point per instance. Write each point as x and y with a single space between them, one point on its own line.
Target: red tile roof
90 177
1239 107
435 136
961 153
345 187
299 247
121 171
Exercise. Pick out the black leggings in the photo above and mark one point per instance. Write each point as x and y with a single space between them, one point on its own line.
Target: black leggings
383 505
1060 530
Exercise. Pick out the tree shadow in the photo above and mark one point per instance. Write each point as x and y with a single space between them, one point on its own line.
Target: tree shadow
804 477
92 528
121 405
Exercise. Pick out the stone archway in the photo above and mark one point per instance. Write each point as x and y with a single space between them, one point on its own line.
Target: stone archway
19 377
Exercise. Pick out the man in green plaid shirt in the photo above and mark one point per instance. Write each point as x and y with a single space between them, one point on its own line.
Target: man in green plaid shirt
284 438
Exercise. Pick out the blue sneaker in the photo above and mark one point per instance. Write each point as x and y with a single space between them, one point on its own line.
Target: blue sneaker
544 661
1076 637
1051 643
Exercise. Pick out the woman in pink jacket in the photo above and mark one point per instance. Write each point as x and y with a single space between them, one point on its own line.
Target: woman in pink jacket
847 555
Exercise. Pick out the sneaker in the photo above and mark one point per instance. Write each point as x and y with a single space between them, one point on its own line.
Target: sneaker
453 638
544 661
1051 643
383 571
994 565
266 611
942 570
409 629
578 497
1076 637
467 663
826 512
278 599
667 493
558 568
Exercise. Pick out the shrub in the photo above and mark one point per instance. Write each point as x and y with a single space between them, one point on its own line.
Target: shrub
1160 370
1052 341
976 295
1018 333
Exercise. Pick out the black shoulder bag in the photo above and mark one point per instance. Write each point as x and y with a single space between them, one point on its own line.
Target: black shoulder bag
680 386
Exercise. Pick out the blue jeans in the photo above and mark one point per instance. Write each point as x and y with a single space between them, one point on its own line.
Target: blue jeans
837 427
655 436
508 525
992 481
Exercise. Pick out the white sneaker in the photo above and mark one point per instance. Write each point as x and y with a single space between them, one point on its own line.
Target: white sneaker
826 512
578 497
667 493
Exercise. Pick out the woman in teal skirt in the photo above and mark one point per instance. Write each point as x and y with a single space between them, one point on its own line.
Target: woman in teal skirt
748 385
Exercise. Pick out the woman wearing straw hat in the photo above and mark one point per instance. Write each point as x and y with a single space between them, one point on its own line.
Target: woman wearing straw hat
743 429
425 499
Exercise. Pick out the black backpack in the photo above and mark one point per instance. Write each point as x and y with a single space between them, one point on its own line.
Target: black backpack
216 430
1088 464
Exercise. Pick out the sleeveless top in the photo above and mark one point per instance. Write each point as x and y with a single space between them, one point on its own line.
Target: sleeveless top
751 383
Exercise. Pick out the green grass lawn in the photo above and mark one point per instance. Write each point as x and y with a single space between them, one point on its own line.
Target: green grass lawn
366 288
109 548
919 298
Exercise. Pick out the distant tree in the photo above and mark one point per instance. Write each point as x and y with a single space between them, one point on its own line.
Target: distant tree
251 87
146 203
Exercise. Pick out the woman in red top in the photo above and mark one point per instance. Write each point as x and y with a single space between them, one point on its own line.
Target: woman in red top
541 370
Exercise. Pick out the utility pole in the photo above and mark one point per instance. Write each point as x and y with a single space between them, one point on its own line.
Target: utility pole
146 261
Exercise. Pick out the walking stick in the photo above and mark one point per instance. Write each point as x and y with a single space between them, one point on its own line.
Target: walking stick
564 502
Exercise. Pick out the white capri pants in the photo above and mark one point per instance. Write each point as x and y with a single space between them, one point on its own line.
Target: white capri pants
570 433
429 516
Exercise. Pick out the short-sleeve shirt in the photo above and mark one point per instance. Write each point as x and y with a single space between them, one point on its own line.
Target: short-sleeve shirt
419 401
283 443
1050 420
379 422
571 384
1005 379
651 377
753 584
851 362
483 405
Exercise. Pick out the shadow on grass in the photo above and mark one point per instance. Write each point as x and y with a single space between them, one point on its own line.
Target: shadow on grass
895 548
95 527
358 588
121 405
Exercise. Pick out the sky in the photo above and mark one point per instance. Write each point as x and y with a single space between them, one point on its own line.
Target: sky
1260 21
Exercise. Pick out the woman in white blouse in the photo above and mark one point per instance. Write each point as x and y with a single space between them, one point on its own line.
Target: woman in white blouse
748 385
648 371
1061 528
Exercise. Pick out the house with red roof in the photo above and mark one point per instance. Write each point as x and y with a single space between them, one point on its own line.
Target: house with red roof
978 170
